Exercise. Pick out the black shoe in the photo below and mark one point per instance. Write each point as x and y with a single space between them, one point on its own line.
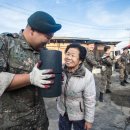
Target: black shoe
101 97
126 82
108 91
128 119
122 83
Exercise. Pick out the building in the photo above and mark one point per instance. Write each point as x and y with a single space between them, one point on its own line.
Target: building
60 43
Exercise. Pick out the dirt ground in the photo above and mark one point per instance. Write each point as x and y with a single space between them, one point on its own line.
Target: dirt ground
108 115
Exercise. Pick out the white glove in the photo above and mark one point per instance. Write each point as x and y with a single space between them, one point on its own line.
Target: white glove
40 77
103 68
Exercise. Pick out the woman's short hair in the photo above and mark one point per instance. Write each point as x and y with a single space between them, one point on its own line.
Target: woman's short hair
106 48
82 50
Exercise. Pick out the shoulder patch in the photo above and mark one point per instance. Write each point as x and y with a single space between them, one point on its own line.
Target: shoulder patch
14 35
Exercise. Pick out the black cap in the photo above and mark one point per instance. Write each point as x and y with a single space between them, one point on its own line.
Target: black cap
126 48
43 22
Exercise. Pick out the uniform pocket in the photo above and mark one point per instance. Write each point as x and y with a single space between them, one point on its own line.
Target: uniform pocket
18 67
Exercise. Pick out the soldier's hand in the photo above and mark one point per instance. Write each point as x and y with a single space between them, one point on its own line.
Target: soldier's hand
40 77
117 57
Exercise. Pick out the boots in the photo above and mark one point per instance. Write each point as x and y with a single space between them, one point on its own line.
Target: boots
128 119
126 82
101 97
108 91
122 83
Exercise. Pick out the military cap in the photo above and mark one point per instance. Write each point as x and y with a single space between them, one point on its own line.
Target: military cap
43 22
125 48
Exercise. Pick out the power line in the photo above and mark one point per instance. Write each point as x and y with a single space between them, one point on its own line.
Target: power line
12 8
95 27
92 26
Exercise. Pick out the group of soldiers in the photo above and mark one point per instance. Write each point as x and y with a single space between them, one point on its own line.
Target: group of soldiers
105 64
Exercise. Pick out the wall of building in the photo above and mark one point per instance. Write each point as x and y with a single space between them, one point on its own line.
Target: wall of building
61 47
58 46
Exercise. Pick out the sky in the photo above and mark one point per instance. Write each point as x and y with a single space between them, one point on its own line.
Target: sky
106 20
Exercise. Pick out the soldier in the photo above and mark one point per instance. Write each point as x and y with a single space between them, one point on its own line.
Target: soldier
90 60
106 72
122 62
21 108
128 62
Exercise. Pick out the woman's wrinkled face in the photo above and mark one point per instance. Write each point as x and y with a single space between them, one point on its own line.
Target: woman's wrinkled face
72 58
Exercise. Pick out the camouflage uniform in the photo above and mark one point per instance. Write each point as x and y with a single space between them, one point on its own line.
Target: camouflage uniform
122 62
21 109
106 73
90 61
128 64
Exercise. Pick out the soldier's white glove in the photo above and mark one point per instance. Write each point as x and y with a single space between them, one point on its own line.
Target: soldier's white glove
40 77
103 68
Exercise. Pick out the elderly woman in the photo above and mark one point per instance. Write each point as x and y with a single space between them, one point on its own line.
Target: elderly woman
76 104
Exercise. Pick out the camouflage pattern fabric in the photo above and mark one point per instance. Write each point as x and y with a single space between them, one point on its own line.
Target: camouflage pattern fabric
122 62
21 109
90 60
106 73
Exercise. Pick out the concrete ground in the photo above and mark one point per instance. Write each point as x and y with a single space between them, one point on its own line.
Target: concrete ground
108 115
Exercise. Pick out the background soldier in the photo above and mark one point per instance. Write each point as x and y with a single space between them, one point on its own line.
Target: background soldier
21 108
122 62
90 60
106 72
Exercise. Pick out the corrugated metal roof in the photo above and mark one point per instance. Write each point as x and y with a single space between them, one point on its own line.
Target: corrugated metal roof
72 38
81 40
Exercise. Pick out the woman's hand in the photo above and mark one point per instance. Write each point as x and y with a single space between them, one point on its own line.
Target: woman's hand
87 126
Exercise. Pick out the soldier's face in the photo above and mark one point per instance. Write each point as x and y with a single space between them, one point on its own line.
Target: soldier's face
126 51
39 39
91 46
72 60
108 51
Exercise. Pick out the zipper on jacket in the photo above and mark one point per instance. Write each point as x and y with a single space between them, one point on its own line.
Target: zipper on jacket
80 107
65 90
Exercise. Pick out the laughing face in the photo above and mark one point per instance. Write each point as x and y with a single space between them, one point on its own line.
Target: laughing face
72 59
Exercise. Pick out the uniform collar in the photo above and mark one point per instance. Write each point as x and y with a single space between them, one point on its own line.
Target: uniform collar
24 43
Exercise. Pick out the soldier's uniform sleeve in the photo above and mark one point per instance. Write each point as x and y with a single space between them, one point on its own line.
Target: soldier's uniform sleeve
109 61
121 61
91 59
5 77
123 58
